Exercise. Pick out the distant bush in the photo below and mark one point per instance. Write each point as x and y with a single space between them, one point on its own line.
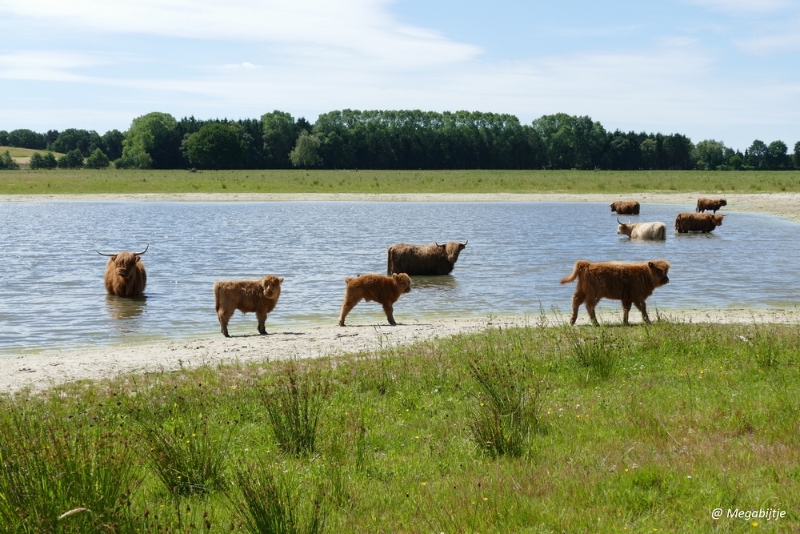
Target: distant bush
97 160
7 162
71 160
46 161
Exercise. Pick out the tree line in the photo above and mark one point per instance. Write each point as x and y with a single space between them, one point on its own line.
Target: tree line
410 139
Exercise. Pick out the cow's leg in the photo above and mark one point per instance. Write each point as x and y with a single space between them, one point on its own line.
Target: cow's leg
626 308
643 308
590 304
389 310
262 319
347 305
224 316
577 300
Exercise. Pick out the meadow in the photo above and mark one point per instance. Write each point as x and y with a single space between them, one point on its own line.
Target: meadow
530 429
112 181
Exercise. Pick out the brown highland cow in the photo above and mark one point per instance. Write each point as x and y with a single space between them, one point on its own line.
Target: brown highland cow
625 208
697 222
433 259
375 288
125 274
258 296
710 204
631 283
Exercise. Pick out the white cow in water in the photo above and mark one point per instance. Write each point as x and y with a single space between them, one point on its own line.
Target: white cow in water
654 231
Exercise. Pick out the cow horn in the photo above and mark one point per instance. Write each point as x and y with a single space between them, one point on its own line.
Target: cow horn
465 243
620 222
142 252
104 254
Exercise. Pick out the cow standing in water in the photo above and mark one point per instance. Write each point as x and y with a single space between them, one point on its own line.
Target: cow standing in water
631 283
433 259
125 274
653 231
625 208
697 222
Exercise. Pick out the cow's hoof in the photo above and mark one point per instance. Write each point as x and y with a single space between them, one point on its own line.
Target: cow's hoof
341 323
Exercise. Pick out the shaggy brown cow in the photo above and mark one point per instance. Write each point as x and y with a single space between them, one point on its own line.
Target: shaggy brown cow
625 208
697 222
631 283
376 288
258 296
710 204
433 259
125 274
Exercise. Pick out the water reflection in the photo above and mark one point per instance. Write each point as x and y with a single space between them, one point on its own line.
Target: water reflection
435 283
126 312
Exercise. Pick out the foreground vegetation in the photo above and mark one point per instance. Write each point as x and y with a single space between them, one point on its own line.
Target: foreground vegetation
345 181
533 429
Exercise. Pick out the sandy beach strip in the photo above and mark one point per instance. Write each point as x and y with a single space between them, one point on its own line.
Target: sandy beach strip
41 371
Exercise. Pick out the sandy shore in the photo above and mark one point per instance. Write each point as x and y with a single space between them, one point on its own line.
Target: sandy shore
45 370
782 204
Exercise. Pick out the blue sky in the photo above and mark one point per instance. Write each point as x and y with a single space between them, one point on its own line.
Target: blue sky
711 69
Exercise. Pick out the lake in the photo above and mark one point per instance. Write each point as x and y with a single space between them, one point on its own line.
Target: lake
51 279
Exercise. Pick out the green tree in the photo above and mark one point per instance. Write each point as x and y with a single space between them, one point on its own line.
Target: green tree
7 162
709 154
649 149
280 133
24 138
70 139
216 146
796 155
151 142
304 153
777 156
97 160
756 155
3 138
46 161
111 143
571 141
71 160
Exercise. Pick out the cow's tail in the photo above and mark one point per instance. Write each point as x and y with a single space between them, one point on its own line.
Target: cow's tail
389 261
579 266
216 297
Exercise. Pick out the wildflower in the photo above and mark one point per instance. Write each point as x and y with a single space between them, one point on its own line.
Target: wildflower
754 523
424 483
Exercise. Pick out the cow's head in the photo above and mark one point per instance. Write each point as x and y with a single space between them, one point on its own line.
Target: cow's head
272 286
613 206
723 202
452 249
658 271
718 219
624 228
403 282
125 262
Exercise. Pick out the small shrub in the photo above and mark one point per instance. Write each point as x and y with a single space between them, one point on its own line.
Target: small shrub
293 406
599 353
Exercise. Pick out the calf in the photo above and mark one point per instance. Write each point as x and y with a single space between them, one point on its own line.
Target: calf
125 274
631 283
376 288
625 208
654 231
697 222
258 296
710 204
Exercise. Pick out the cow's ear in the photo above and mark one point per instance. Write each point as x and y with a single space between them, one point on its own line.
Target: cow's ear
651 264
280 279
138 257
114 257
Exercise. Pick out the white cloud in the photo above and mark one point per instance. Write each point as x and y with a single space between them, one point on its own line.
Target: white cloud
360 27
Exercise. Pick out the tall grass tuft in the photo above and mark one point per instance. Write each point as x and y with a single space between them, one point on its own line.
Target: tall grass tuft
268 505
59 475
183 454
598 352
293 407
509 404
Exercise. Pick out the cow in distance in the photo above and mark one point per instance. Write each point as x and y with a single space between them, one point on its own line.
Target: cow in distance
710 204
697 222
125 273
631 283
434 259
259 296
375 288
651 231
625 208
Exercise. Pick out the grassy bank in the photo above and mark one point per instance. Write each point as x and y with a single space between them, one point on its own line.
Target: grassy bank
537 429
346 181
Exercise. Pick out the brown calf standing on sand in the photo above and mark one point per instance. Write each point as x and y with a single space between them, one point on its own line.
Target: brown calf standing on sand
625 208
125 274
710 204
376 288
631 283
258 296
697 222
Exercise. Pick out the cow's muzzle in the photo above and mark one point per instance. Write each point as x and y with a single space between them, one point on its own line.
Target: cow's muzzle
665 280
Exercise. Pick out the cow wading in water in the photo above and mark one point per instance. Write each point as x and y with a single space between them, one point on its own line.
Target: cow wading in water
697 222
631 283
421 260
376 288
125 274
625 208
652 231
259 296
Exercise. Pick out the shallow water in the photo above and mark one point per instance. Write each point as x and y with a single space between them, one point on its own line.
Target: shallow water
51 278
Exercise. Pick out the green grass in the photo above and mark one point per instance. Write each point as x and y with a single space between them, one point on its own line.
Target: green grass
619 430
112 181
